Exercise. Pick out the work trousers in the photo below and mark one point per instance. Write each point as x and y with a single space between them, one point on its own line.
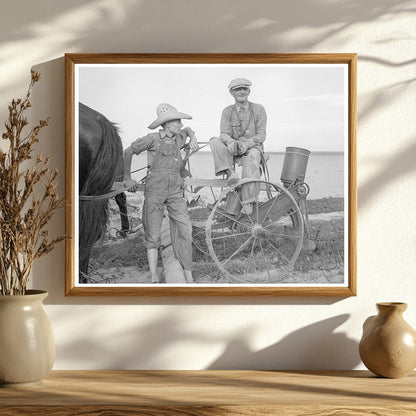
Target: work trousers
166 189
250 163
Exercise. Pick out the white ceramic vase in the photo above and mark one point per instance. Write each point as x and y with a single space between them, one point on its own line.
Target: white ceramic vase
27 346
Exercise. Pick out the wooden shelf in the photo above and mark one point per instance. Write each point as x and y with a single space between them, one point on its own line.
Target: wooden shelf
204 393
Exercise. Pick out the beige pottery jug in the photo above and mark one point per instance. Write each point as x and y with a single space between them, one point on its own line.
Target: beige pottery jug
388 345
27 347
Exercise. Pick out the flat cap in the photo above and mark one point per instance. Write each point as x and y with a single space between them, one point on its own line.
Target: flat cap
239 82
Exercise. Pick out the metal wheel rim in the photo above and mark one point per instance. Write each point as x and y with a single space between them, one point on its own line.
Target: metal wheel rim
294 205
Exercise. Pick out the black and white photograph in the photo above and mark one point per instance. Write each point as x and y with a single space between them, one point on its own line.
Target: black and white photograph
202 175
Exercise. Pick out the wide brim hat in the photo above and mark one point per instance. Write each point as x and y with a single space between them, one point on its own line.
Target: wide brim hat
238 83
166 112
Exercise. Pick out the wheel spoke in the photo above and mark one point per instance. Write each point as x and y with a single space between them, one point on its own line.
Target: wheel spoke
241 202
256 207
241 248
279 251
283 220
224 248
232 218
269 210
251 255
265 258
230 236
273 224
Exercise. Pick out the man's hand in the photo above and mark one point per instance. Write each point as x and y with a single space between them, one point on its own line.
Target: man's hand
242 148
193 144
131 185
233 147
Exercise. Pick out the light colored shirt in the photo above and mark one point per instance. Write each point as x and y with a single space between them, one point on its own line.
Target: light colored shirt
243 122
152 141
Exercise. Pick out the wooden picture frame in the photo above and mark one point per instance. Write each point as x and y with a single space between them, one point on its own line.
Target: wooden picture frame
310 100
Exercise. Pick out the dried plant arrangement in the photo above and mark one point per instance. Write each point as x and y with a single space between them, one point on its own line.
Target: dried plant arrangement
28 199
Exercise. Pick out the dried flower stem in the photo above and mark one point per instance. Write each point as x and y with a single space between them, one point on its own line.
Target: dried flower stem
23 217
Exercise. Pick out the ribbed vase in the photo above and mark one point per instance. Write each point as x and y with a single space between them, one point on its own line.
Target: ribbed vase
27 346
388 345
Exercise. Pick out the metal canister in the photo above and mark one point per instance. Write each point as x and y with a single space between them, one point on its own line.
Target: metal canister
294 166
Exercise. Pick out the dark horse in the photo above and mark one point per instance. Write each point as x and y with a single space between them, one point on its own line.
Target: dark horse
100 158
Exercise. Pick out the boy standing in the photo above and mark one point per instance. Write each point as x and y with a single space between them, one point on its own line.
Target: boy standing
164 186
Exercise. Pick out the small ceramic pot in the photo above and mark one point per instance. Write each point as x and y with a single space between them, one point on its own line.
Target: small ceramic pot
27 347
388 345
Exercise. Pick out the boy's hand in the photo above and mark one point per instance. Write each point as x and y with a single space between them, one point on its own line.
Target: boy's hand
193 144
131 185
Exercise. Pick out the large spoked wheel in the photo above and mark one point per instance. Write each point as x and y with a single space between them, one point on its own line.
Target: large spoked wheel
261 247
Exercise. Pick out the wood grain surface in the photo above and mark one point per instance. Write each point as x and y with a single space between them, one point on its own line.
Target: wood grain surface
202 393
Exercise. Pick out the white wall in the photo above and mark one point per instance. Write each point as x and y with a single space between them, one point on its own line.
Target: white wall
198 333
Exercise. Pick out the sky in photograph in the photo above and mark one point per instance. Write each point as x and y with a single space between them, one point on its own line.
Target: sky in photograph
306 104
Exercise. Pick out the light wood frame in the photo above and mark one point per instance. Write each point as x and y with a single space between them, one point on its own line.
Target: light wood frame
71 60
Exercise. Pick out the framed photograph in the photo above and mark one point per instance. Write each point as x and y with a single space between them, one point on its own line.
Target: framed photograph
211 174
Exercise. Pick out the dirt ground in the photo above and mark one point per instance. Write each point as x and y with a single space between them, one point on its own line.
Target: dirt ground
116 259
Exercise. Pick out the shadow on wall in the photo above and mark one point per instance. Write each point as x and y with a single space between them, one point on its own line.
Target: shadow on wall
134 26
390 170
313 347
48 100
160 343
140 347
97 19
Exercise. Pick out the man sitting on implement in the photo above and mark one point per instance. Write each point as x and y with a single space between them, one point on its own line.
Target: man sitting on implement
243 131
164 186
